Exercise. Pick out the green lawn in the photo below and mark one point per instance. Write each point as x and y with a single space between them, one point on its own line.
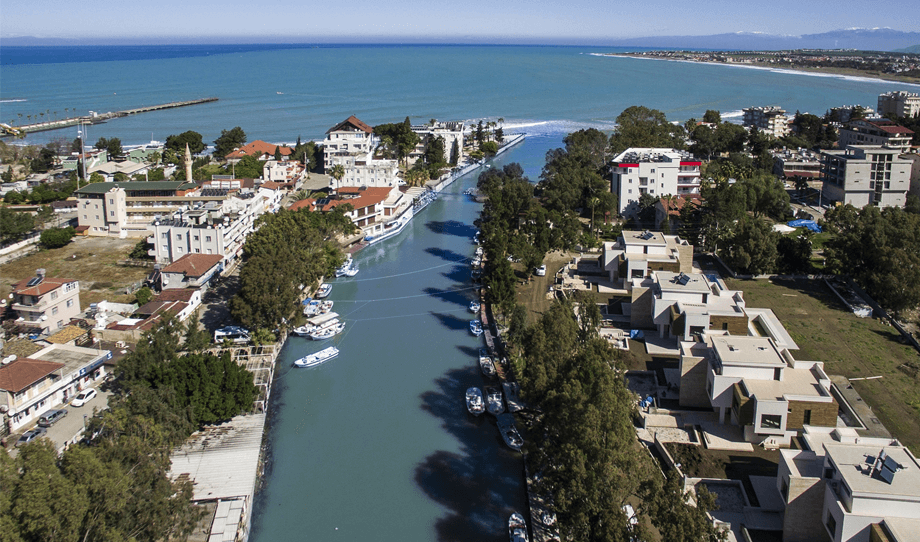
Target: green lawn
850 346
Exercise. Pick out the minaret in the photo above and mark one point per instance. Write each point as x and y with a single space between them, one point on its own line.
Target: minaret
188 164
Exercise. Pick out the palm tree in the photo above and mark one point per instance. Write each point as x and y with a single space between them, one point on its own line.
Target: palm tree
338 171
594 201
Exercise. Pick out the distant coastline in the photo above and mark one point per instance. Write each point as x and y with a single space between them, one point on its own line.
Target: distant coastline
854 75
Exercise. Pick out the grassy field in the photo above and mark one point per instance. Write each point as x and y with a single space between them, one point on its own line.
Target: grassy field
91 260
853 347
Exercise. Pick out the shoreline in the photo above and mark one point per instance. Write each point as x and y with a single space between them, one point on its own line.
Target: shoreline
817 72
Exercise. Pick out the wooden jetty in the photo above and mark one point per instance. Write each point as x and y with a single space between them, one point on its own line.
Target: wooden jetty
21 131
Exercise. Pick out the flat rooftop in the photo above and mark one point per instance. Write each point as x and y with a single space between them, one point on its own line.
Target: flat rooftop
855 462
683 282
800 382
73 357
644 238
753 351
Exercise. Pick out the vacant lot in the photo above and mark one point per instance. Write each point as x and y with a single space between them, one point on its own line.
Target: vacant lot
91 260
853 347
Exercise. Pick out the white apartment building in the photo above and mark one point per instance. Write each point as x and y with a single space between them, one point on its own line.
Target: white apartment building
31 386
126 208
351 144
210 228
881 132
771 120
283 172
658 172
44 303
899 103
866 175
450 132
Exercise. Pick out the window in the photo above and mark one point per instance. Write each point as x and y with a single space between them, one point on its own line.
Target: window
165 235
806 417
771 421
724 326
97 217
777 373
53 296
111 201
831 524
165 248
195 237
207 238
60 324
111 213
69 303
178 237
54 311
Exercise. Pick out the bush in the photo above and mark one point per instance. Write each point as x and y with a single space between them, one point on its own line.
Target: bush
143 296
489 148
56 237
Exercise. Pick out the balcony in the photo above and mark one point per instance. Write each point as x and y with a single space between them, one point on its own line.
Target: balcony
30 306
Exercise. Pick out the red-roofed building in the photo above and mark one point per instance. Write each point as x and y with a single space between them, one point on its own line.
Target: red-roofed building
30 386
261 150
372 207
671 207
191 271
880 132
46 304
351 144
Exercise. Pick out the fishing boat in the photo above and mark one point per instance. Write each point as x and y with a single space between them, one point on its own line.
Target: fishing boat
475 327
475 306
347 269
486 365
324 290
311 307
327 332
474 402
494 403
317 323
517 528
315 359
509 432
326 306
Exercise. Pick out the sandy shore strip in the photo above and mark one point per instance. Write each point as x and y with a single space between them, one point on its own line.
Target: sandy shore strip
787 71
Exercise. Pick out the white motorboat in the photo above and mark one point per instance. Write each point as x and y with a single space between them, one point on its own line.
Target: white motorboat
474 402
477 261
311 307
348 269
509 432
315 359
302 331
317 323
479 251
475 327
475 306
475 274
494 403
486 365
327 332
324 291
326 306
517 528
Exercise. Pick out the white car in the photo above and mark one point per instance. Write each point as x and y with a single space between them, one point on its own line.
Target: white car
83 397
541 271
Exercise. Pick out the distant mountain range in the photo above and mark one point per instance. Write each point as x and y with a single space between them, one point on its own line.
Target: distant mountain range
865 39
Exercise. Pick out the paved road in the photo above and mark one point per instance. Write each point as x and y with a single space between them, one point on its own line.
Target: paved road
70 428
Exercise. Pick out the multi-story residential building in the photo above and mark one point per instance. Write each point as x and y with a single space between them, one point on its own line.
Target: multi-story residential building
191 271
372 207
844 113
635 254
45 303
848 487
899 103
866 175
260 150
658 172
127 208
799 163
214 227
450 132
769 120
760 385
879 132
31 385
351 144
283 172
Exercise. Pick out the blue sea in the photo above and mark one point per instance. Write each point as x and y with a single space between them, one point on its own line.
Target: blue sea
376 444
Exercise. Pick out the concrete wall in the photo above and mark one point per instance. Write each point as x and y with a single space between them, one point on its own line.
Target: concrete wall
693 373
641 315
822 414
804 506
735 325
685 253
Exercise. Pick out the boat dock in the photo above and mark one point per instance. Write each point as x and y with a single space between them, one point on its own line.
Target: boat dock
93 118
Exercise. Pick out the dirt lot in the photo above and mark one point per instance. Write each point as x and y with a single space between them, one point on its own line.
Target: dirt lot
532 293
91 260
699 462
850 346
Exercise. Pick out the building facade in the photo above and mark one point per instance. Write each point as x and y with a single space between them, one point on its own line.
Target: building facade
658 172
44 303
878 132
864 175
126 209
769 120
899 103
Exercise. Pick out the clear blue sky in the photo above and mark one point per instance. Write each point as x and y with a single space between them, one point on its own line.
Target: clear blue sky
466 20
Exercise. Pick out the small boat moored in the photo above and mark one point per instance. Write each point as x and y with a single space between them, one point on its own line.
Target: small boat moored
509 432
324 291
315 359
475 306
494 403
327 332
517 528
475 327
485 363
474 402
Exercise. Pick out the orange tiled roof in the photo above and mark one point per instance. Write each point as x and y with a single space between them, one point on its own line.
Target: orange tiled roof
258 148
354 122
23 372
193 265
366 197
42 288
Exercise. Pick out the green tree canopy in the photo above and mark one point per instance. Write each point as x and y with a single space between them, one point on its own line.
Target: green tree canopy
56 237
639 126
228 141
176 143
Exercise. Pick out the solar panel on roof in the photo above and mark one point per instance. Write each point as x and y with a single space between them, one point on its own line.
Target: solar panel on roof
891 464
886 475
683 279
34 280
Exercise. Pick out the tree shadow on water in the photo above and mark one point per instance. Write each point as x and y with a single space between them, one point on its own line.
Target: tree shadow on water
460 296
452 227
452 321
483 483
458 273
448 255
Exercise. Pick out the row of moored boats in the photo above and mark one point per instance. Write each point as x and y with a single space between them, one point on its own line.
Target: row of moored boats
323 324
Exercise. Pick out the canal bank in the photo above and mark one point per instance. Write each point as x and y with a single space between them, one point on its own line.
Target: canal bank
377 442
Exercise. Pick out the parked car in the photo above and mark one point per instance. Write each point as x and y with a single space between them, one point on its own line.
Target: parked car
51 417
541 271
83 397
31 435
